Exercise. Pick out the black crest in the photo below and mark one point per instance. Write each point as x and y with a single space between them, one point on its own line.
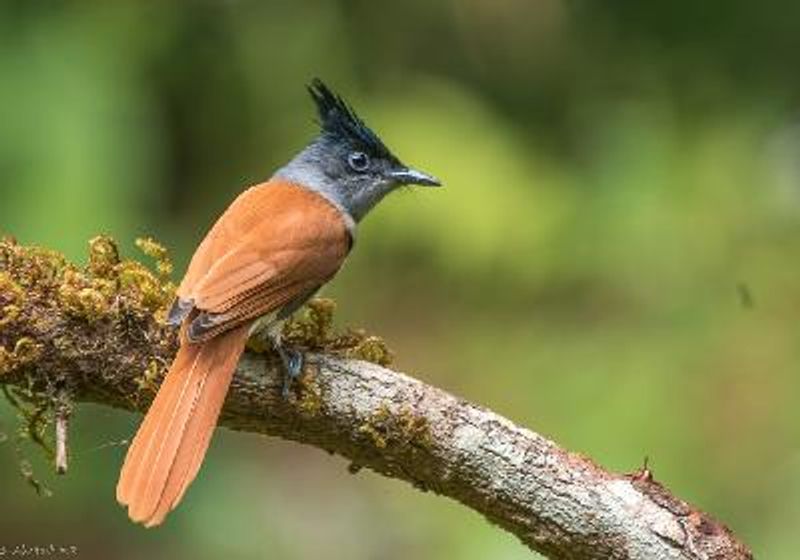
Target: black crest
338 118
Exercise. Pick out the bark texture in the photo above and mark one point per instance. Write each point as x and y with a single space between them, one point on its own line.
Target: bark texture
95 335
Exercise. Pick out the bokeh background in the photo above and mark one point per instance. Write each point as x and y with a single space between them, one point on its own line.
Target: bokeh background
613 261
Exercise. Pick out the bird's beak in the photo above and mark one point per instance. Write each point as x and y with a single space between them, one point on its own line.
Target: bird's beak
409 176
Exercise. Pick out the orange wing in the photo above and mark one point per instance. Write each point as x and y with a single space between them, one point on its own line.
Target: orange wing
275 244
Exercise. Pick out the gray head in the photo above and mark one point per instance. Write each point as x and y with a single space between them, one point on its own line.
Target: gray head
347 162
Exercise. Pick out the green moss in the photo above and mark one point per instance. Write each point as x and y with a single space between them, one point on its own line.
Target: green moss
32 268
81 297
11 297
159 253
26 350
9 314
148 381
145 288
313 326
413 429
93 293
313 329
106 275
310 401
376 426
401 431
371 349
103 257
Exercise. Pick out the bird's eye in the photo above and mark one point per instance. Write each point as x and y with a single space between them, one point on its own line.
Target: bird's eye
358 161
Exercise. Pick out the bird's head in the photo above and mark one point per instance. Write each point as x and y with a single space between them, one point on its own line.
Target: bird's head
347 162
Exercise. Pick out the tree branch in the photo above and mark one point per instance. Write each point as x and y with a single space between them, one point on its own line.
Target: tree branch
95 334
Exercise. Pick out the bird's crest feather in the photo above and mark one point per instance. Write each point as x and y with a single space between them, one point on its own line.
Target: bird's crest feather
338 119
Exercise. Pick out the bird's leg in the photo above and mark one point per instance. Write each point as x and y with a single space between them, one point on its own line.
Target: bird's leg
293 366
292 360
270 329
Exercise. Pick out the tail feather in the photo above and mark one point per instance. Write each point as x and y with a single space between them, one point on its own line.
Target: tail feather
171 443
172 417
198 432
152 427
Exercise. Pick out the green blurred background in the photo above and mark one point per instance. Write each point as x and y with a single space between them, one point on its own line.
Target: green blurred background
613 261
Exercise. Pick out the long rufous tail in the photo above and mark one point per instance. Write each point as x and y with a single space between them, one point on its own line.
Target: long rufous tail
173 438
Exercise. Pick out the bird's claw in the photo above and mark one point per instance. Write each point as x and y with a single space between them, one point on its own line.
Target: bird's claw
292 365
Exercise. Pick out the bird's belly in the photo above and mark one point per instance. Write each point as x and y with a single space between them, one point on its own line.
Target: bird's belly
268 325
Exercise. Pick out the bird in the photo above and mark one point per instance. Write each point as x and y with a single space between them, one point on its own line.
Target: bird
268 253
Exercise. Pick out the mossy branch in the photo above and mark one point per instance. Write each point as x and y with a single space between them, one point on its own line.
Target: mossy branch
96 333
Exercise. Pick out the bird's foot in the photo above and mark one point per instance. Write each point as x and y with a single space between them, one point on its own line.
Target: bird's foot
292 365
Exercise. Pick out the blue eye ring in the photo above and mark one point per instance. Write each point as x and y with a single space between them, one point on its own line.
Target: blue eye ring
358 161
